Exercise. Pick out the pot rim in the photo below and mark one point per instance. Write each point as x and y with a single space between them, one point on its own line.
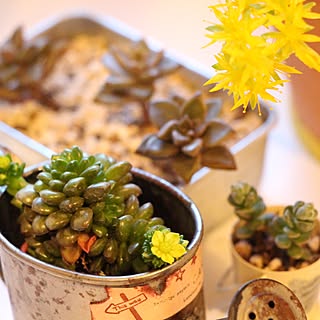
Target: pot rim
127 280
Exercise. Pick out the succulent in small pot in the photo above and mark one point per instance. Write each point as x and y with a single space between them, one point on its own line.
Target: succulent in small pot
190 136
80 216
280 242
24 66
134 70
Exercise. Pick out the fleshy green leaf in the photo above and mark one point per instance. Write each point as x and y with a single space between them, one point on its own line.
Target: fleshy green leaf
185 166
214 107
218 157
195 108
160 112
156 148
217 130
193 148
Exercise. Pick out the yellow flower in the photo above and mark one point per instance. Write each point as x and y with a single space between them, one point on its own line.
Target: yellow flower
257 37
5 161
167 246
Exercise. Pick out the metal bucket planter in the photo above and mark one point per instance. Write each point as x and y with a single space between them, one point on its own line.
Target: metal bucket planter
41 291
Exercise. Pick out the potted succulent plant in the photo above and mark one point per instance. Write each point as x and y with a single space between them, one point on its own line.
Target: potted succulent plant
79 239
134 71
24 67
276 242
190 136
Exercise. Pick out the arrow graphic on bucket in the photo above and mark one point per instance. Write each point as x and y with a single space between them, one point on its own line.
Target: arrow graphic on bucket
127 304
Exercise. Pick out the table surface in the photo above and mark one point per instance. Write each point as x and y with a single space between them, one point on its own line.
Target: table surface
290 173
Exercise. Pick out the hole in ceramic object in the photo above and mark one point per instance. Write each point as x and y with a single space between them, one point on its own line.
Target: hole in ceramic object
252 315
271 304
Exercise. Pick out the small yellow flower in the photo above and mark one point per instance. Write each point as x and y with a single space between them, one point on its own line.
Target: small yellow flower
167 246
5 162
257 38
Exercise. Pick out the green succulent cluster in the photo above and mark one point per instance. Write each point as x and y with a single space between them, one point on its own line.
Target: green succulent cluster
290 230
134 70
191 135
11 174
24 65
83 213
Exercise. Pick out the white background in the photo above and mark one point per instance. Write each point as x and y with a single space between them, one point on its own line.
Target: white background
290 173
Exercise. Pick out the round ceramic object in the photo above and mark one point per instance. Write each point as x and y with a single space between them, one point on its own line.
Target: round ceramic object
265 299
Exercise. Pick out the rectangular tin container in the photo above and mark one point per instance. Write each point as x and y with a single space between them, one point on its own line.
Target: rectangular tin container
208 188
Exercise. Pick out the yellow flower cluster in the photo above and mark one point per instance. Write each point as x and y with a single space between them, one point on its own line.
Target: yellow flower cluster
257 37
168 246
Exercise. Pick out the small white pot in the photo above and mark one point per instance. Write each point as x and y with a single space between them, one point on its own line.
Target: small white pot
304 282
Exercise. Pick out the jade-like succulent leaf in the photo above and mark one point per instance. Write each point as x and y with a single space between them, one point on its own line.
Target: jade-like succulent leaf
193 149
303 238
166 131
218 157
134 60
156 148
185 167
133 71
305 212
243 232
214 107
195 108
291 233
180 139
305 226
160 112
200 129
119 88
217 130
297 252
288 216
282 241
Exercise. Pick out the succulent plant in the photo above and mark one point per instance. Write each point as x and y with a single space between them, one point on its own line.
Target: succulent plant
24 65
134 70
190 136
11 174
290 230
83 213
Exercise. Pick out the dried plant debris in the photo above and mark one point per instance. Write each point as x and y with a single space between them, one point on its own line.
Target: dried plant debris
24 65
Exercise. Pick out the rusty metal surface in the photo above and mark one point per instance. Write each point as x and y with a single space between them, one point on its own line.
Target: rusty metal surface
265 299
